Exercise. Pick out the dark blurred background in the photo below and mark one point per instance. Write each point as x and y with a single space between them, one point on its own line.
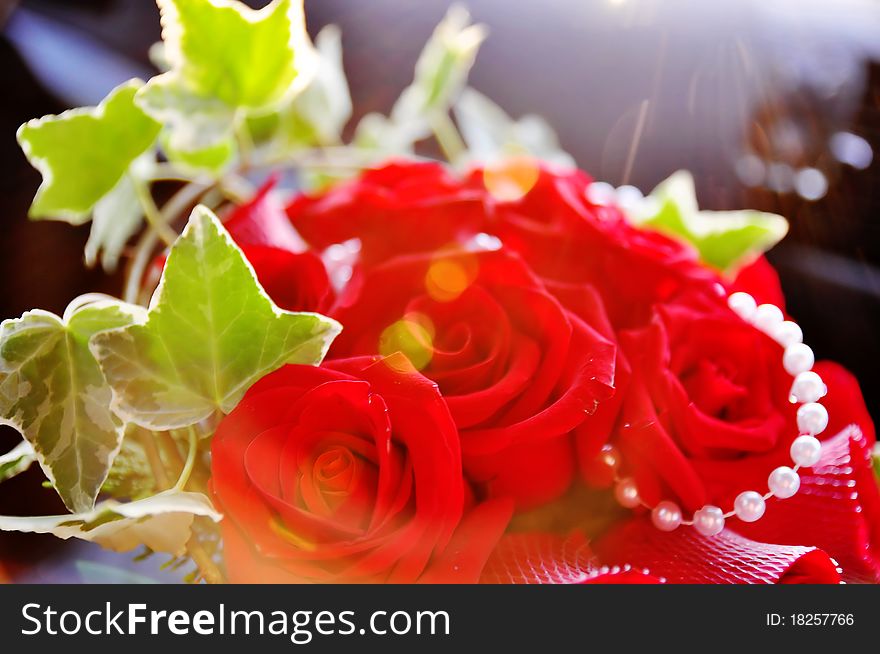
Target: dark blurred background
772 105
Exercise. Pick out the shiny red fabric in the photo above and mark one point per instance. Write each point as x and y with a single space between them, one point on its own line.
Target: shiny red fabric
685 557
540 558
837 509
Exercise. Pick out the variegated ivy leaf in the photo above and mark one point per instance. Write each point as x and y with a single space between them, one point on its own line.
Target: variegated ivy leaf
726 240
243 57
442 68
381 135
193 122
213 159
318 114
52 390
161 522
83 153
16 460
210 333
491 135
131 475
225 61
115 219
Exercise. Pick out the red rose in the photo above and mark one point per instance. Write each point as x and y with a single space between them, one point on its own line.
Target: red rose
569 241
400 207
705 386
407 207
349 472
517 370
706 415
294 281
760 280
294 277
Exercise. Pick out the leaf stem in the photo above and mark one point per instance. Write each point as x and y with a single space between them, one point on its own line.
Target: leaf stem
152 214
143 253
155 460
142 256
190 460
244 139
210 572
447 136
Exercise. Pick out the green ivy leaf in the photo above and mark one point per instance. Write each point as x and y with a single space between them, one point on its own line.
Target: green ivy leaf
130 476
225 50
16 460
161 522
193 122
83 153
53 392
115 219
320 112
213 159
442 68
491 135
726 240
210 333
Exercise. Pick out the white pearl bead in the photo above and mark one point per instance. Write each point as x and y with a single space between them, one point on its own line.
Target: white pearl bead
812 418
666 516
787 333
626 493
743 305
784 482
798 358
709 520
807 387
609 456
806 451
768 317
749 506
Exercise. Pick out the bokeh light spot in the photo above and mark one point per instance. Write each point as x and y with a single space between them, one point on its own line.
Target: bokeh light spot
413 336
446 279
511 179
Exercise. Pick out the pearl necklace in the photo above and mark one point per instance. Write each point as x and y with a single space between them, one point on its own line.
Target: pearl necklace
812 419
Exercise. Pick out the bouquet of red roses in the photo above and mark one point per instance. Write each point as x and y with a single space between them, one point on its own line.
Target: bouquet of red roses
490 370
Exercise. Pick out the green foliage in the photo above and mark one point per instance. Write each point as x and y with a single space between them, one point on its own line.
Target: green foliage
130 477
225 50
16 460
53 391
442 69
161 522
115 219
440 76
726 240
210 333
83 153
491 135
225 62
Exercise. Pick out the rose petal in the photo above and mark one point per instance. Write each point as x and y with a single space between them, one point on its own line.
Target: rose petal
262 222
474 540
